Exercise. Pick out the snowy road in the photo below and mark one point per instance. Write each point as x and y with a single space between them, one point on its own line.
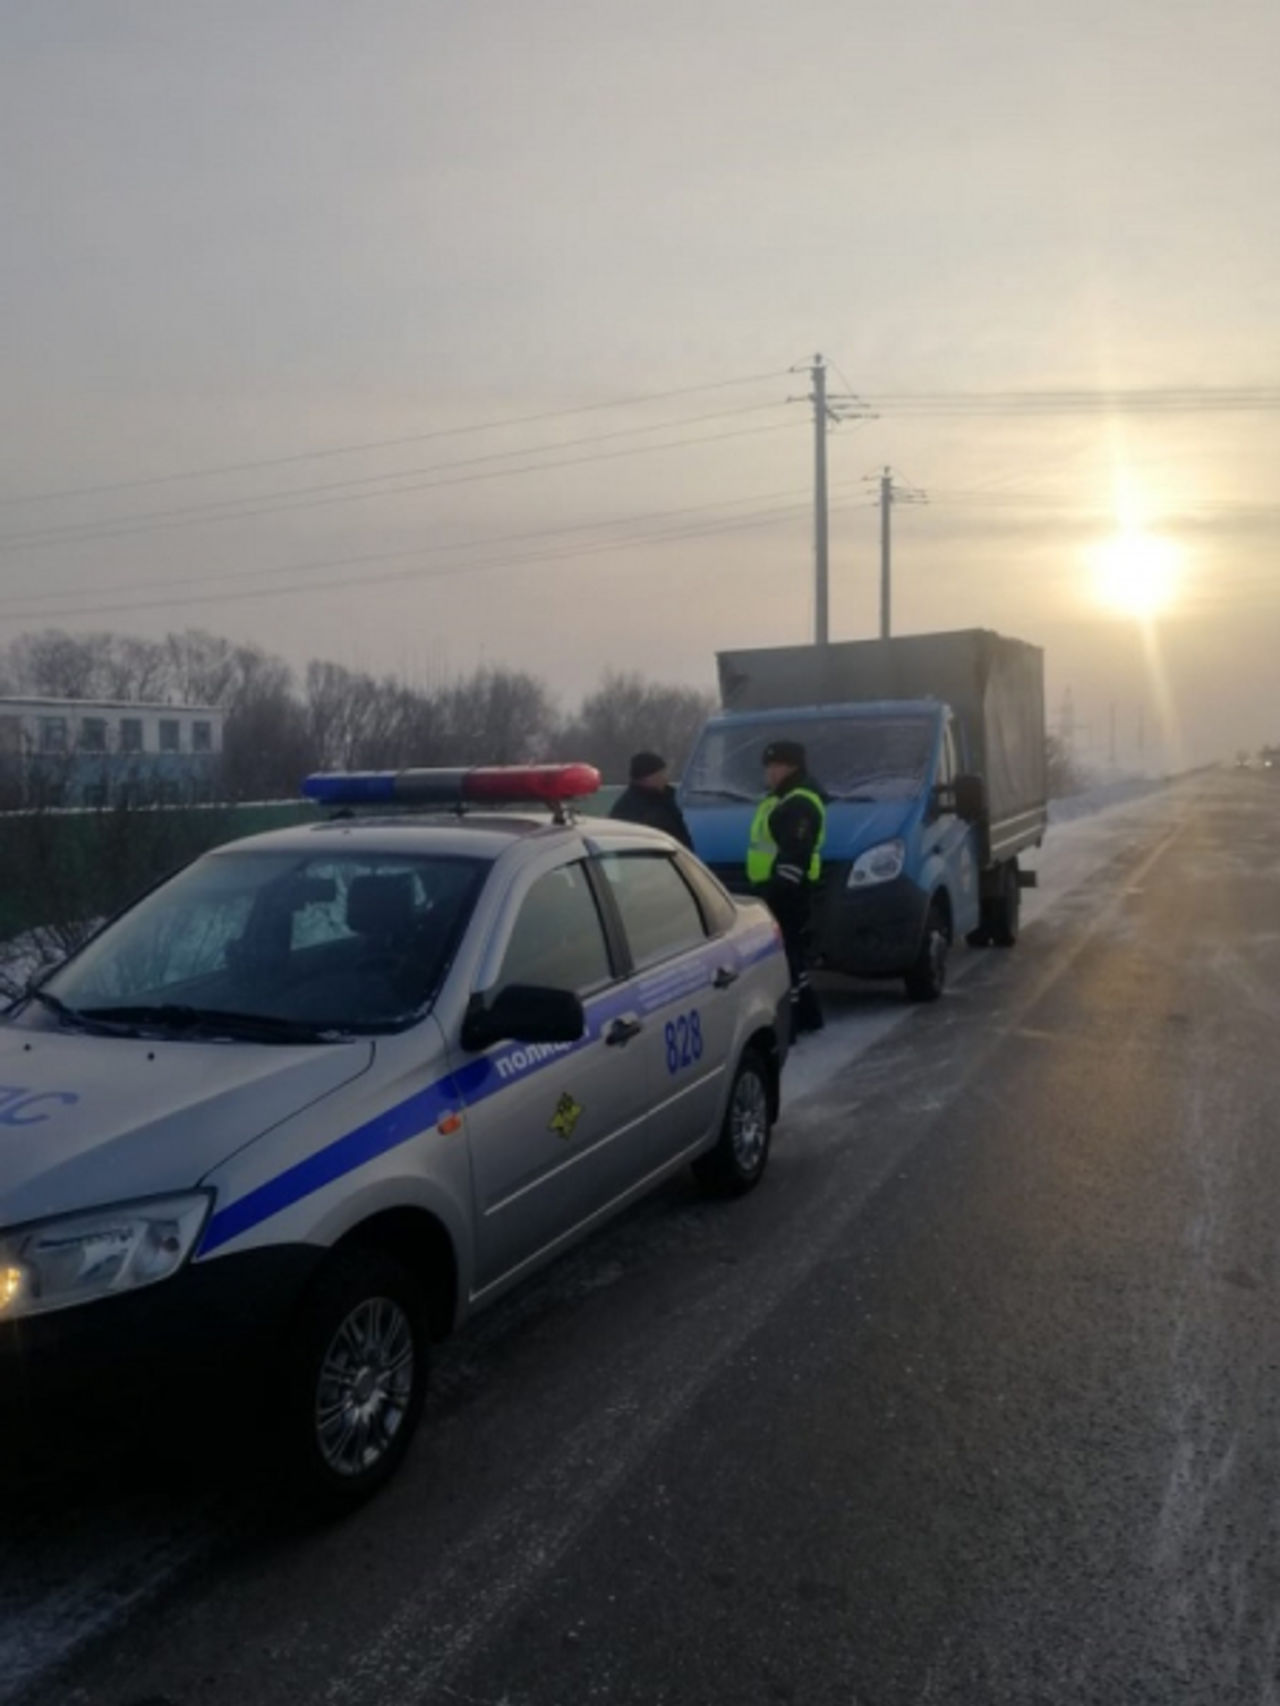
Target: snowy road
950 1411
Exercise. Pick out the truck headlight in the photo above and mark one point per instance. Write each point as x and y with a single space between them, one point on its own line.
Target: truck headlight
880 864
82 1257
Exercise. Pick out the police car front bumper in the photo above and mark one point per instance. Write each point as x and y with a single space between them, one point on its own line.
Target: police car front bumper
192 1339
867 932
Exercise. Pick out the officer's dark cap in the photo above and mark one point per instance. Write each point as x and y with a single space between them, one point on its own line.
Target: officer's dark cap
789 752
646 764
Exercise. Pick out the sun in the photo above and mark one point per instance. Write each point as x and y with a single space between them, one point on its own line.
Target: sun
1136 574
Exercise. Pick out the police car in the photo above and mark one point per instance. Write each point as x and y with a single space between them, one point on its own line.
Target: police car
313 1100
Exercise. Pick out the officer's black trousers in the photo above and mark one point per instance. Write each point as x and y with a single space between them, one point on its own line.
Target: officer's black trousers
792 908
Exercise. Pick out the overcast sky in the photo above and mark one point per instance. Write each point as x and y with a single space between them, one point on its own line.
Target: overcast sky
238 232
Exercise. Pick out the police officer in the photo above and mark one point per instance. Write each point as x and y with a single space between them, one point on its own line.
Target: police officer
784 862
651 799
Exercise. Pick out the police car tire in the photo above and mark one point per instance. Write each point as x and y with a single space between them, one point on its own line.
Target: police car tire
348 1279
720 1172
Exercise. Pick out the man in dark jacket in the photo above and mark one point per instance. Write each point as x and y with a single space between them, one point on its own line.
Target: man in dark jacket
784 862
651 799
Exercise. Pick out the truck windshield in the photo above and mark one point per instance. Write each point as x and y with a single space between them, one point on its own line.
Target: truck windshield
850 757
273 947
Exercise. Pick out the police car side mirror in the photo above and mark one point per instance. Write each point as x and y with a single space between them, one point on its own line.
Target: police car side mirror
523 1013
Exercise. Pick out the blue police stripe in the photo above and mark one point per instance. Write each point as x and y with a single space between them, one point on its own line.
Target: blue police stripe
474 1084
390 1129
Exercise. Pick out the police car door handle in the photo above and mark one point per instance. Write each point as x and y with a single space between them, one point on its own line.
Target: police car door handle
621 1032
725 975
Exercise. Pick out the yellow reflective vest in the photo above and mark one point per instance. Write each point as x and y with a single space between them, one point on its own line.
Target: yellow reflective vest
762 849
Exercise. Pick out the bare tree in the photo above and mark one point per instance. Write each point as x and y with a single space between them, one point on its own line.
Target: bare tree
1061 771
52 664
266 744
626 714
499 716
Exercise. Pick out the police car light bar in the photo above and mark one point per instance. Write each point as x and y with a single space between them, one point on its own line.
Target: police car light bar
549 784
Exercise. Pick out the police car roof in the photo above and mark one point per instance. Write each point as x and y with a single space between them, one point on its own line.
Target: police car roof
478 836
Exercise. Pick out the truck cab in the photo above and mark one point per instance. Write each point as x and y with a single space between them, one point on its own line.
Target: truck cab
895 844
930 752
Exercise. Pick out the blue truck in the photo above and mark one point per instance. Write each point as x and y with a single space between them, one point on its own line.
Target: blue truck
931 751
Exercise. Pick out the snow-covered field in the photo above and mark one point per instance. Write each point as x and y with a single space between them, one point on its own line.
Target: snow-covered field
67 1575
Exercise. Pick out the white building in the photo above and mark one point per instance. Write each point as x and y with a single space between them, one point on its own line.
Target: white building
93 751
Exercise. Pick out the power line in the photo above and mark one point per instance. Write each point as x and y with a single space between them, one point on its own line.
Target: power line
498 425
762 518
213 509
601 524
1169 400
36 541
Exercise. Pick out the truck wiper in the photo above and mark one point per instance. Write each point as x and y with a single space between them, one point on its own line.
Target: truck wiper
177 1016
721 794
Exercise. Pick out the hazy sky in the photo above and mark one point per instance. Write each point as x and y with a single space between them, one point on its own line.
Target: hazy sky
243 232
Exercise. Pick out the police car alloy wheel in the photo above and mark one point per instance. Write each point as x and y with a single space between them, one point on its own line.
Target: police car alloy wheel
737 1163
355 1381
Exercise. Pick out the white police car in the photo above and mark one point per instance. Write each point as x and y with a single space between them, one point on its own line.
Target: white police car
315 1098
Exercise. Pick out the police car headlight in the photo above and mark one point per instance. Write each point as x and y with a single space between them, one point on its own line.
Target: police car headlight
879 864
58 1263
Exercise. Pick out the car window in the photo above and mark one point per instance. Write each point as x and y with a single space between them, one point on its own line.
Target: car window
558 940
345 941
659 913
718 911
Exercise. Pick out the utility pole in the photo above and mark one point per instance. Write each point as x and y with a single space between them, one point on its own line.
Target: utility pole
891 492
827 409
821 579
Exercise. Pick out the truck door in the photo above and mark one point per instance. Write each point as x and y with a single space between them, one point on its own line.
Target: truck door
952 842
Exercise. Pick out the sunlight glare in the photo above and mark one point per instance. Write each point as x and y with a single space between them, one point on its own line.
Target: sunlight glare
1136 574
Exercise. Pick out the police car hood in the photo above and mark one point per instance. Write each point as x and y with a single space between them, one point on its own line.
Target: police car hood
86 1120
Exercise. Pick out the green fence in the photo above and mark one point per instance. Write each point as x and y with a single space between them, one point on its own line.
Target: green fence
60 868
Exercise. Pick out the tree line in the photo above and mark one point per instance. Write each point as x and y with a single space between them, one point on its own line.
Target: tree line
281 723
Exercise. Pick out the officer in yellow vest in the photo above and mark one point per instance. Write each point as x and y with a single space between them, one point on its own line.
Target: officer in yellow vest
784 862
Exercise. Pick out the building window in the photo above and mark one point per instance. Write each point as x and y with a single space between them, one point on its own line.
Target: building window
131 734
170 735
53 734
94 795
93 734
202 737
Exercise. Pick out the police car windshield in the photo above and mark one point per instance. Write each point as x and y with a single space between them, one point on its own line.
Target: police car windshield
339 942
870 758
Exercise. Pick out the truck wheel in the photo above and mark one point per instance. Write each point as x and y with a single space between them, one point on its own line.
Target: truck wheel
1006 909
927 978
737 1163
354 1382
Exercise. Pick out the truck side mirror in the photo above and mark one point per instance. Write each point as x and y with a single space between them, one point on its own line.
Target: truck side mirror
971 798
